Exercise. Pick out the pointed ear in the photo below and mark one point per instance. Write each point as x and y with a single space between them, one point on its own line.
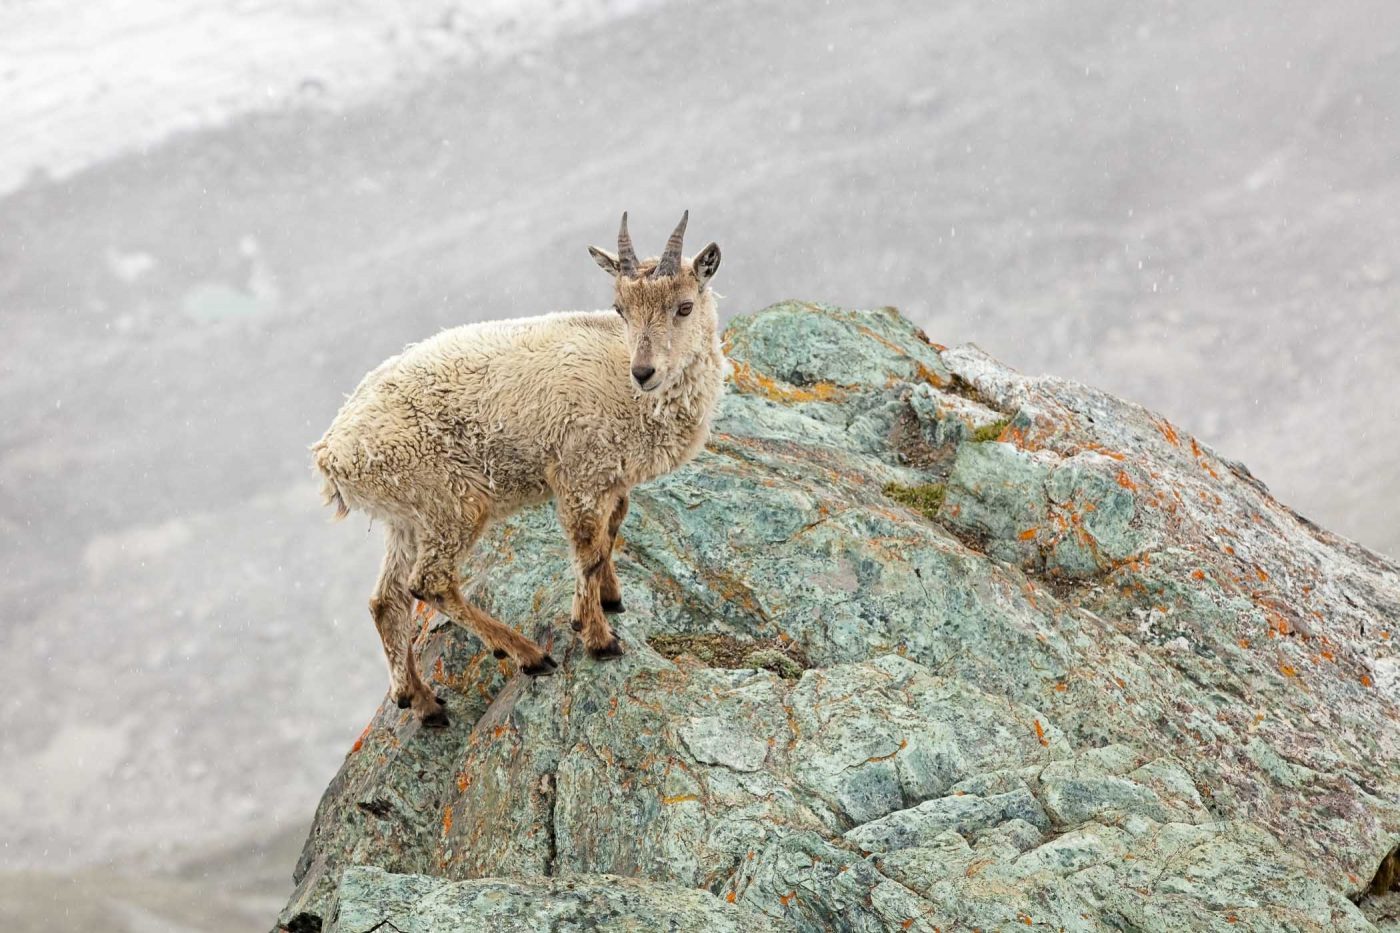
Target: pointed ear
605 260
706 263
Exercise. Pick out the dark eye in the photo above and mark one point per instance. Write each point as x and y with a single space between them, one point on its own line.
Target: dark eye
617 308
685 308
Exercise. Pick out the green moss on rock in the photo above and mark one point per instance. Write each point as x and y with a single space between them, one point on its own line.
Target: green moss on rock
926 499
990 432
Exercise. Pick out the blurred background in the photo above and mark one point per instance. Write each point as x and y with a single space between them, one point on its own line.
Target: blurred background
216 216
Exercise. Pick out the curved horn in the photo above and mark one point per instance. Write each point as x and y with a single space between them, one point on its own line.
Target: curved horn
626 255
670 263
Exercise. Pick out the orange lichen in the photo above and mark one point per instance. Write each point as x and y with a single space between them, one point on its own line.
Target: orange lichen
1168 432
1263 577
1061 687
908 922
788 898
1104 451
1288 670
678 798
464 780
1027 535
447 819
1365 680
978 867
1244 642
747 379
1198 575
1125 480
359 743
1040 734
929 376
730 897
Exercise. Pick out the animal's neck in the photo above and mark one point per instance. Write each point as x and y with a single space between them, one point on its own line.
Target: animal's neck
692 396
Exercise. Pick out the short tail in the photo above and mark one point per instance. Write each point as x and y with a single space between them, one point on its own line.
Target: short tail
333 497
330 492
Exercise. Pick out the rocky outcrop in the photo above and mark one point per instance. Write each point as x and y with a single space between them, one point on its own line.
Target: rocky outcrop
372 899
918 642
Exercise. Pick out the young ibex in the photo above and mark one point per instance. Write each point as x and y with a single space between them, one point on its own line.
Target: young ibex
471 425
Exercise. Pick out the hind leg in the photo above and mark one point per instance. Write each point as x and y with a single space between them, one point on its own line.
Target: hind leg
392 606
435 580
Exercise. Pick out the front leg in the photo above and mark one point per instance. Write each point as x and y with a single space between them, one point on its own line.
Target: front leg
586 522
609 588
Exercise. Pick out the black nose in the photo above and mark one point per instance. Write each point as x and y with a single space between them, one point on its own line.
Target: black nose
643 373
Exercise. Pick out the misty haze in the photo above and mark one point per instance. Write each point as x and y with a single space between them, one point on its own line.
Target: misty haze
215 218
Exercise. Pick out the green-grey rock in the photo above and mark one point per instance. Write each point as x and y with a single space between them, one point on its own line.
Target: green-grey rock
1107 682
373 899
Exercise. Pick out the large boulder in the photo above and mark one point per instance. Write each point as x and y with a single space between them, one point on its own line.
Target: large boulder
917 642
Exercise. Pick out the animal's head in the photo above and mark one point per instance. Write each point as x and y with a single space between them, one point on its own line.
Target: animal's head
668 313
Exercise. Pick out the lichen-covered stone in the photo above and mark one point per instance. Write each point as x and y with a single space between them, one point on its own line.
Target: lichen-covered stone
966 814
372 899
804 344
1108 682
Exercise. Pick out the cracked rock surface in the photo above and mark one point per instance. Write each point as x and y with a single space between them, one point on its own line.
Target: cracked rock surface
1104 681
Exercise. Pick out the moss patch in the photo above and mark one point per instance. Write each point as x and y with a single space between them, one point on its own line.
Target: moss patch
784 658
990 432
926 499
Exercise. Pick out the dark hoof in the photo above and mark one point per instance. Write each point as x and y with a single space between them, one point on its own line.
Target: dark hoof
612 649
436 720
613 606
542 669
403 702
500 654
576 624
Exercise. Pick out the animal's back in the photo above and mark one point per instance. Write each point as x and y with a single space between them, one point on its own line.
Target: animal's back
476 406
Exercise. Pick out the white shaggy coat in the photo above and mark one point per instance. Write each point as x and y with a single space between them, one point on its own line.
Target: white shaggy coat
489 412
